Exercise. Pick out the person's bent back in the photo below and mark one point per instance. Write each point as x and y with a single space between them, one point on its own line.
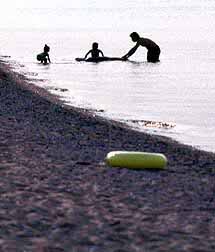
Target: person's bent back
153 49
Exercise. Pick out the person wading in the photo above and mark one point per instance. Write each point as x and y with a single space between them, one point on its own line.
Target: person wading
153 49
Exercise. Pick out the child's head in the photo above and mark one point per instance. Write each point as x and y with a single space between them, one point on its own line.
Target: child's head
46 48
95 45
134 36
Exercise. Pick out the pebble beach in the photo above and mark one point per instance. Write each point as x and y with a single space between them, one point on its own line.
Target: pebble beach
57 193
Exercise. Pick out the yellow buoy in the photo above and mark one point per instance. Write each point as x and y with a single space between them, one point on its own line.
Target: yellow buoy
136 160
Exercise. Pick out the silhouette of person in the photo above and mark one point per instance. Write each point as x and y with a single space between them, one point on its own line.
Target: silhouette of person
44 56
94 51
153 49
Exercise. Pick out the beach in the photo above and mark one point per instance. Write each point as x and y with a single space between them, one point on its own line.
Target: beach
178 91
57 193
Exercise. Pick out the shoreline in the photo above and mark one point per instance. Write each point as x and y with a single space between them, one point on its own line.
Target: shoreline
129 123
57 193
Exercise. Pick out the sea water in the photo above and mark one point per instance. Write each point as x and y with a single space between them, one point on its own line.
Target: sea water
174 97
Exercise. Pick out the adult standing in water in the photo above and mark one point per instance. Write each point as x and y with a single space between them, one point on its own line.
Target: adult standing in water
153 49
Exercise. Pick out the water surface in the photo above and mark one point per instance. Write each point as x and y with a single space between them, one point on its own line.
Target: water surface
179 90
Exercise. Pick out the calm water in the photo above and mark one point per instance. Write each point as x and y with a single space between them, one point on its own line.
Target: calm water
179 90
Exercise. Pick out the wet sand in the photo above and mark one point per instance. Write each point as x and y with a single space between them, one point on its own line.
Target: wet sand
57 194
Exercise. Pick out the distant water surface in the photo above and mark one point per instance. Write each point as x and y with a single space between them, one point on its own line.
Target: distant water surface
178 91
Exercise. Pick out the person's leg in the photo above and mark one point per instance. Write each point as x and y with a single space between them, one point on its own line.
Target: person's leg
39 58
44 61
153 56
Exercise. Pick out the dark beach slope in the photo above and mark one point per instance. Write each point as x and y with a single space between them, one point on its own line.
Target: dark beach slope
58 195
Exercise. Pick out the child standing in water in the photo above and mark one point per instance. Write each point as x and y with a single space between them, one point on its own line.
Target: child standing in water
44 56
94 52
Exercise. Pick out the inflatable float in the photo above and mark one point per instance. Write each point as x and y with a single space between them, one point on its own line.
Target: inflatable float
136 160
100 59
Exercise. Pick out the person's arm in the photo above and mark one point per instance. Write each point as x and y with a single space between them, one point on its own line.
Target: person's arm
101 53
131 52
87 54
48 58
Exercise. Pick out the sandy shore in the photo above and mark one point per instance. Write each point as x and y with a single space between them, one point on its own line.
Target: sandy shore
58 195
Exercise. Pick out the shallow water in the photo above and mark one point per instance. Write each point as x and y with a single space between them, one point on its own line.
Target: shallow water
177 91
